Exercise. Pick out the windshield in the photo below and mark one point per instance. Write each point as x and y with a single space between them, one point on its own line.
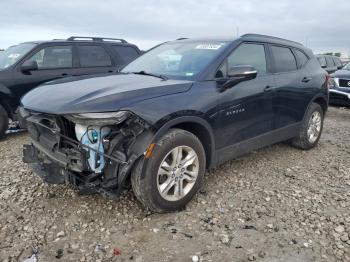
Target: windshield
346 67
13 54
177 60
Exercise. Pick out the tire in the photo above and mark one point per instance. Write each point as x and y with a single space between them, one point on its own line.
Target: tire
4 121
303 140
147 184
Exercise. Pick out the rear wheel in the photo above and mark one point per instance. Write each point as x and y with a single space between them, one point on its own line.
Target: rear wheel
172 175
311 129
4 121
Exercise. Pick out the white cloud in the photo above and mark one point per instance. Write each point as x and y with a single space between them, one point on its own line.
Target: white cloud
324 24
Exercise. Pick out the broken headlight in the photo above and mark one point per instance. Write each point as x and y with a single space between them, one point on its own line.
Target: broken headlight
106 118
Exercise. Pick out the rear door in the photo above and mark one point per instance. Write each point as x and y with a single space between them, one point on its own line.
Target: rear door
292 80
94 59
54 61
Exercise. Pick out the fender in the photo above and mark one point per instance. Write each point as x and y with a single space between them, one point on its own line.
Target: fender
148 137
4 90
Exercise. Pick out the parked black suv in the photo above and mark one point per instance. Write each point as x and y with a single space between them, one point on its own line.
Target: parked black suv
329 63
182 107
27 65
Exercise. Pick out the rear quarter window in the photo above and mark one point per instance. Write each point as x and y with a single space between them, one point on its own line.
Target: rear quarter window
125 54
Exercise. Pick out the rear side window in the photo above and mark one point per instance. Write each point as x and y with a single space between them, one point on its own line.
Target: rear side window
337 61
284 59
322 60
126 54
93 56
330 62
53 57
301 57
249 54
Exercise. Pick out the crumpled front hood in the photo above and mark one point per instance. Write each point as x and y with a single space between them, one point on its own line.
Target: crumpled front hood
342 74
104 93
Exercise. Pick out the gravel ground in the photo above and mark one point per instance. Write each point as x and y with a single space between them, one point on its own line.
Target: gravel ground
274 204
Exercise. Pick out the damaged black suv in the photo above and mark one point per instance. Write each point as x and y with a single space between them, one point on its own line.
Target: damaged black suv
183 107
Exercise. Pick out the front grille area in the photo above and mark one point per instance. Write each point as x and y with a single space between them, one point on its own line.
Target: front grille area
344 83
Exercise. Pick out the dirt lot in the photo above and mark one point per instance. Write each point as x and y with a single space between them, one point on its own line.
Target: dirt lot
275 204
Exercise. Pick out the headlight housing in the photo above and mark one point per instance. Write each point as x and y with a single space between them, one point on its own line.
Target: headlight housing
333 82
99 119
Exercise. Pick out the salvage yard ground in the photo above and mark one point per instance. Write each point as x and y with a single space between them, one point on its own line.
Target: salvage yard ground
274 204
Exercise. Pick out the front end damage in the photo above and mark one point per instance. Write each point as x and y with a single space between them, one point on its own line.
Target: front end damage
94 152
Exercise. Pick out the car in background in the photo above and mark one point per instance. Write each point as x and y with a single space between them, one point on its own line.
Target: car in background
182 107
27 65
339 92
329 63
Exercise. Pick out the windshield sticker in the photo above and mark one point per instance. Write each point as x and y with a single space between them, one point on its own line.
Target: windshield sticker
208 46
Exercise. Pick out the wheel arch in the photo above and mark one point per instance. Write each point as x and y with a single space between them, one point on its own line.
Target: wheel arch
197 126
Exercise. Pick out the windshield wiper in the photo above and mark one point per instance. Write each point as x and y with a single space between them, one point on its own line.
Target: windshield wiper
150 74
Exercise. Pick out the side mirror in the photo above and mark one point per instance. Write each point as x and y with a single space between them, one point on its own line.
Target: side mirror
28 66
245 72
237 74
340 67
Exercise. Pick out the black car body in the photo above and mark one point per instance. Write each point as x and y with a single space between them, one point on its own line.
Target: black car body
339 92
25 66
330 63
220 97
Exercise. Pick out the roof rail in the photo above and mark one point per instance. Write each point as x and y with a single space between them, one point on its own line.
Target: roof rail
271 37
95 39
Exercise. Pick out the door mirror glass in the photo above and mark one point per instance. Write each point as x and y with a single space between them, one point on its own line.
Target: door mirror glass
29 65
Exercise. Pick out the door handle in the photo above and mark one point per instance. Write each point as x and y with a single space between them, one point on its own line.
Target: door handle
268 88
306 79
110 71
65 74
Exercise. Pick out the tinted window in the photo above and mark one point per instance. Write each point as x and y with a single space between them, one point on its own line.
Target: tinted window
54 57
284 59
330 62
93 56
126 54
301 57
249 54
337 61
322 60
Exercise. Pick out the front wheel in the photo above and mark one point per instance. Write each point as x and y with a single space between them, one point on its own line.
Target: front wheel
173 174
311 129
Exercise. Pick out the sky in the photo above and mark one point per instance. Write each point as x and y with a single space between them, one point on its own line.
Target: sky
322 25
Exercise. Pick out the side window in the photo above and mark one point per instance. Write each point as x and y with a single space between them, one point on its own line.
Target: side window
301 57
322 60
53 57
337 61
284 59
249 54
93 56
330 62
126 54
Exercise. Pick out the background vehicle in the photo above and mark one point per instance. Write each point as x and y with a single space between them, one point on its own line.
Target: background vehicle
182 107
27 65
339 92
329 63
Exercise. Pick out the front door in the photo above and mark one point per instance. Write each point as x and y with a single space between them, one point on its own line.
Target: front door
245 110
54 62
